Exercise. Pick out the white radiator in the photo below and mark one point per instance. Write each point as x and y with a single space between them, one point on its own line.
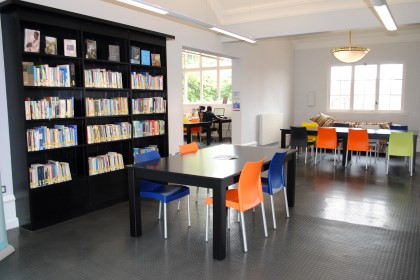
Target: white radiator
269 128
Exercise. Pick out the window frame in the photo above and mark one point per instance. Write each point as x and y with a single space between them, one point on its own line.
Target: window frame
200 69
377 83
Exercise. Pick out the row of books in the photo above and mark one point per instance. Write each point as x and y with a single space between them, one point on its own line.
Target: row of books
44 138
44 75
148 105
49 108
148 128
102 78
105 163
50 173
106 107
108 132
144 80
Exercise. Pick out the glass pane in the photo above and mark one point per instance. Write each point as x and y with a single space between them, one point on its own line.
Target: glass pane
365 72
396 87
226 84
395 103
191 60
209 61
391 71
193 86
210 85
384 101
225 61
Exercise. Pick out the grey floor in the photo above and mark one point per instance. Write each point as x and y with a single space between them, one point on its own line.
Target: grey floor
346 224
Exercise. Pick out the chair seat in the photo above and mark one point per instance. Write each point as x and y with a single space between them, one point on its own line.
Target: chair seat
166 193
147 185
266 188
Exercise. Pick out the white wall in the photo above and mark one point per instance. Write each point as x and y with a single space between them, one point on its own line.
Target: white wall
312 68
262 73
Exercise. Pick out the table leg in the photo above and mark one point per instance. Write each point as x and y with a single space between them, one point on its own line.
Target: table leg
219 130
291 179
208 135
283 139
219 223
134 203
188 134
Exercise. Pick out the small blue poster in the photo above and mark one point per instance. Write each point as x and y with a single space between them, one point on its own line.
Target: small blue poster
145 57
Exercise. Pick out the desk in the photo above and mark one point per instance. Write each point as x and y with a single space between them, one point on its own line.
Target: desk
219 129
188 126
342 132
215 174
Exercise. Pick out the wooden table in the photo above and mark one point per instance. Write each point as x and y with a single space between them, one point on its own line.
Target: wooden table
203 170
342 132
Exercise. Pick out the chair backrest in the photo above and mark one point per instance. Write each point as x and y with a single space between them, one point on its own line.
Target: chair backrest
358 140
398 127
298 136
249 186
327 138
149 156
188 148
309 124
275 177
400 144
341 125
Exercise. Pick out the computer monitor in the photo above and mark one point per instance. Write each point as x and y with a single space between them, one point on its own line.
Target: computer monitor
220 112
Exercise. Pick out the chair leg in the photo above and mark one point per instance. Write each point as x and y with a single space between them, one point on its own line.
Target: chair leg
316 154
179 204
188 206
273 214
347 153
411 165
165 222
196 195
160 210
387 163
306 153
285 202
228 218
207 222
243 232
335 153
264 220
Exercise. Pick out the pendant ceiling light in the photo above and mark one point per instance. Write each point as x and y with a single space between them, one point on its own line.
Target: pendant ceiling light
349 54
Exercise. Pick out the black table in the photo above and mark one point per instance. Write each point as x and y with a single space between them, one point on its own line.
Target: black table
342 132
188 126
203 170
220 126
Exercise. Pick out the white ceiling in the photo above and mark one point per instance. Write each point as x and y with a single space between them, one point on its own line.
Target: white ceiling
261 19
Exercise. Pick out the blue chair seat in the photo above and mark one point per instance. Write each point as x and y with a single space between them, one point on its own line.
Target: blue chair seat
267 189
165 193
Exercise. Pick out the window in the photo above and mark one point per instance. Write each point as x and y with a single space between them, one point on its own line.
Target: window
206 78
368 87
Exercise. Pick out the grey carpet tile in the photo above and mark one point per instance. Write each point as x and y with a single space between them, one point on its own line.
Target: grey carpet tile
347 224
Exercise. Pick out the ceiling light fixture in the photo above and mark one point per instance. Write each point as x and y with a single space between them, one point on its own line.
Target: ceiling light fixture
349 54
152 8
382 9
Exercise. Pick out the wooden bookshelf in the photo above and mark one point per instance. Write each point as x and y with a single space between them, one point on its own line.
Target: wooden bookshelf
75 63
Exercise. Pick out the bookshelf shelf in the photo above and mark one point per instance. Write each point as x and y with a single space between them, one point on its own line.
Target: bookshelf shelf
54 68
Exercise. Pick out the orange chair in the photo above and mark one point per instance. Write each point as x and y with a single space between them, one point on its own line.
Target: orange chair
358 140
327 139
191 148
196 130
248 195
188 148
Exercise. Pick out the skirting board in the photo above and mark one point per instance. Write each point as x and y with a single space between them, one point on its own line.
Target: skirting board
10 211
6 251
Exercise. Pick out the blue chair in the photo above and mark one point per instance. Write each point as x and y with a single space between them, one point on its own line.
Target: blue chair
159 191
275 182
398 127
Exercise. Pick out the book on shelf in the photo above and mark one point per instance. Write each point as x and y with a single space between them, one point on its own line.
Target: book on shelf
50 45
70 47
155 59
32 40
135 55
28 73
145 57
50 173
91 49
105 163
114 53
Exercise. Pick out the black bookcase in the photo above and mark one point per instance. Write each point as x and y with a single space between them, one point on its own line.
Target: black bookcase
38 207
